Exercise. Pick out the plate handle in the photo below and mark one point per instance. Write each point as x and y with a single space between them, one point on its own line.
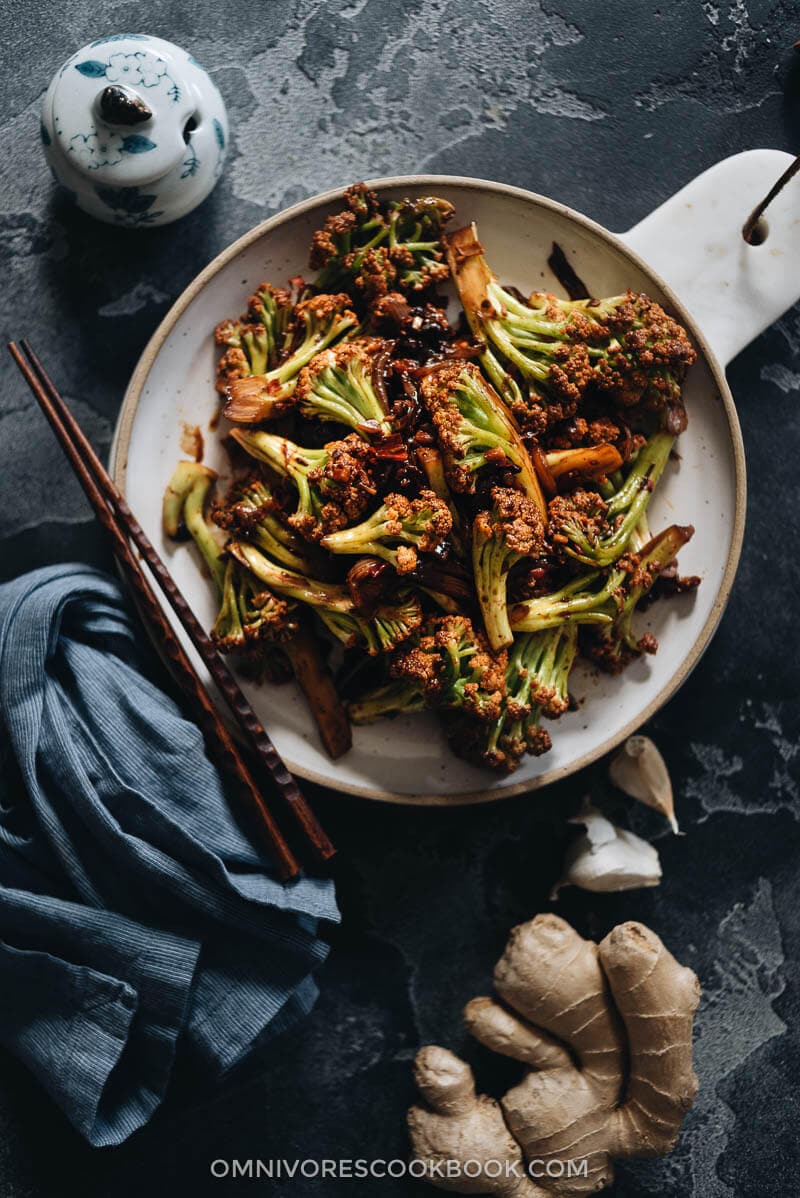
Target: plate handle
694 240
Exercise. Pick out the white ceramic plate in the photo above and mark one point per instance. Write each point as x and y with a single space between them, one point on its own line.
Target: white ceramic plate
406 760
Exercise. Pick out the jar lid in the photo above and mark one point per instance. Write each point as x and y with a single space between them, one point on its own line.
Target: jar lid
122 108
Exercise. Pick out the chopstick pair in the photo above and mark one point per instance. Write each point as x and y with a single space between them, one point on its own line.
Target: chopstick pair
123 528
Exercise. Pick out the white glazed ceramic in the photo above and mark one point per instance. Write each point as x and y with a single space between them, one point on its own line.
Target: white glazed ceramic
148 171
406 760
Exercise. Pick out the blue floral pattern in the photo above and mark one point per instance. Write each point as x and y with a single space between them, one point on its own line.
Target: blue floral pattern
130 205
94 149
105 148
137 143
191 163
138 69
219 137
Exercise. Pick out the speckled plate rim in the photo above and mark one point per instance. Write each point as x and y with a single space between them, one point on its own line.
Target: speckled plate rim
122 435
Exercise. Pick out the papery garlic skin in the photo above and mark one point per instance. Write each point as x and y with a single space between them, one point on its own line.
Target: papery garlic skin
640 771
606 858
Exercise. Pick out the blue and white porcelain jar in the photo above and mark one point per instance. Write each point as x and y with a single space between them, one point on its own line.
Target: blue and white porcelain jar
135 130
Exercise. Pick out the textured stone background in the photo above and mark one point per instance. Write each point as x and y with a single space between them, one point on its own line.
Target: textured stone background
609 107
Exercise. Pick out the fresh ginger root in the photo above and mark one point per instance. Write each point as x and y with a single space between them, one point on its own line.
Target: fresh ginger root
606 1031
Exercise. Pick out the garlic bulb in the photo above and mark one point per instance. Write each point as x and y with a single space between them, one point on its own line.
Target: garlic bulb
640 771
607 858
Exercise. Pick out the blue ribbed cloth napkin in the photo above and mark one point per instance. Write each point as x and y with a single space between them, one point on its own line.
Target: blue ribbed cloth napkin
134 910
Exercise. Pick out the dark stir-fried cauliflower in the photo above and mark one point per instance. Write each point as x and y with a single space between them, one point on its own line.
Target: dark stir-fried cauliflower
459 497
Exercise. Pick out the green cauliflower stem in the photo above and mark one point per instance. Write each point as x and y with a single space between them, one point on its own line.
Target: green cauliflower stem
374 249
338 386
579 602
600 542
259 340
253 514
537 678
334 484
184 506
247 612
615 645
544 355
397 531
390 624
510 531
384 702
316 324
452 666
476 430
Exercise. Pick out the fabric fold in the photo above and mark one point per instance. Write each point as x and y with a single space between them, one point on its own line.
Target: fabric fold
136 911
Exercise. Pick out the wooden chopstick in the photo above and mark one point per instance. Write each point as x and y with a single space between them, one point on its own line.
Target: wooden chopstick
311 830
217 736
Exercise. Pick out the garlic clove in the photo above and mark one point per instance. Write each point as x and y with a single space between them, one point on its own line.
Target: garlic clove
607 858
640 771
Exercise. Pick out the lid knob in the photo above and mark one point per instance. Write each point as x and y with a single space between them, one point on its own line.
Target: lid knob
118 105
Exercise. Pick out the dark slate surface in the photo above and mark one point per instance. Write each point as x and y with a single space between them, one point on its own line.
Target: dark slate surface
609 108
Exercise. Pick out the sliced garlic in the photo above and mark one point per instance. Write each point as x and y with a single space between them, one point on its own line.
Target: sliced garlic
606 858
641 772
